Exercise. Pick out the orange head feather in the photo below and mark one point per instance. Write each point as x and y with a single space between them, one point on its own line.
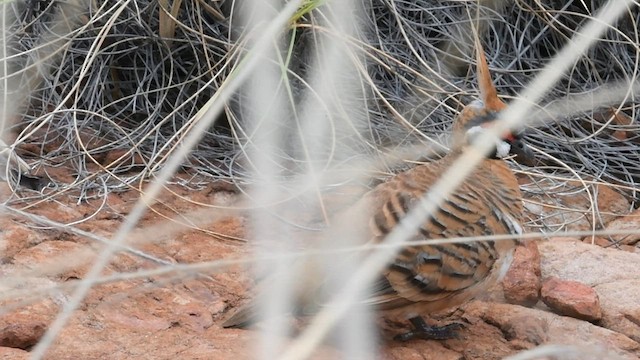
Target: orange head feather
489 100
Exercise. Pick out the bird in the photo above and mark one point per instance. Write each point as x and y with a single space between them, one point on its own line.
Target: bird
424 279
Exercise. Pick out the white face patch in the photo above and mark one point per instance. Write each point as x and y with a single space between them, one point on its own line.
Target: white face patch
477 104
502 147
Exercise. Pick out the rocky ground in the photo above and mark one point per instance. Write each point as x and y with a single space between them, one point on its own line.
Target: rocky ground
561 291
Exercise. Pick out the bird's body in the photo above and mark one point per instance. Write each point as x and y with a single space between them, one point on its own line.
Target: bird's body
429 278
424 279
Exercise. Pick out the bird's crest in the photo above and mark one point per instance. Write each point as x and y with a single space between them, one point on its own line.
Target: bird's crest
488 92
489 101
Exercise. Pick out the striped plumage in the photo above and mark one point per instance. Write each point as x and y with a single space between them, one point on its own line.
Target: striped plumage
434 277
428 278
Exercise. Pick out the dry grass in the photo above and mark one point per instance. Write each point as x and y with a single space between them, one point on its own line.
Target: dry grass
129 92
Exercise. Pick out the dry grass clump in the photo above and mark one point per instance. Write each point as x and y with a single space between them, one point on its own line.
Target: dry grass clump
109 90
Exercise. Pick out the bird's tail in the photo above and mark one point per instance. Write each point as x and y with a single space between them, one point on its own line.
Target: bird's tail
243 316
303 279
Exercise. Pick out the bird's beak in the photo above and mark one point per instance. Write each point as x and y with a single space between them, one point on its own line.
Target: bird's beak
524 154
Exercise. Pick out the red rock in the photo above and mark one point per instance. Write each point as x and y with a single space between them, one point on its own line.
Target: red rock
610 202
597 240
7 353
623 120
619 301
63 259
534 252
608 243
571 298
528 329
60 212
22 334
614 274
540 325
15 237
196 247
557 239
629 223
123 157
177 316
188 305
402 352
434 351
23 327
549 208
588 264
521 284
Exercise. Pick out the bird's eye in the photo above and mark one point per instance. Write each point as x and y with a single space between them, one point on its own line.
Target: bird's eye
518 144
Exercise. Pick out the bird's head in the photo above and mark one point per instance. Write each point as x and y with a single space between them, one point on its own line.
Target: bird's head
480 115
510 143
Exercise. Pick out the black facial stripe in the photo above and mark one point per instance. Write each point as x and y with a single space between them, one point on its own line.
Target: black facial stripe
481 119
489 116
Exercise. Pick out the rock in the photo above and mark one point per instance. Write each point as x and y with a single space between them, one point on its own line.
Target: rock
158 309
624 122
585 263
196 247
608 242
23 327
551 207
15 237
125 158
178 316
63 259
521 284
629 223
620 302
7 353
86 337
60 212
571 298
20 333
532 246
613 274
435 351
527 325
597 240
532 330
610 202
